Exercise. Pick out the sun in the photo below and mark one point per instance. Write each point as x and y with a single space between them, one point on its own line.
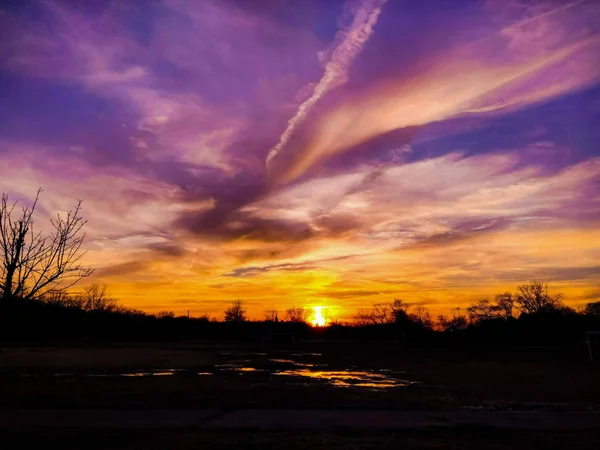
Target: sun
318 320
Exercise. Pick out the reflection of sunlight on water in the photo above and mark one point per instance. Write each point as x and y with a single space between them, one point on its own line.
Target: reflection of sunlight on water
287 365
348 378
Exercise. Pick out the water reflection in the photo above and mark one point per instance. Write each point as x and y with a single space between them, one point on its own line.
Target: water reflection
292 368
348 378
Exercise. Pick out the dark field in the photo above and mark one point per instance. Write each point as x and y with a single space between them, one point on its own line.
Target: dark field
318 376
312 376
458 438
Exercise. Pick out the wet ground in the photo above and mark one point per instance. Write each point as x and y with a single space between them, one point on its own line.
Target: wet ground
203 376
290 368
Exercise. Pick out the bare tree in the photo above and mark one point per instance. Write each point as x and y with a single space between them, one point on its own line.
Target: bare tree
363 317
95 298
457 321
399 310
296 315
271 316
62 298
592 309
34 264
506 304
421 316
382 314
236 312
483 310
533 298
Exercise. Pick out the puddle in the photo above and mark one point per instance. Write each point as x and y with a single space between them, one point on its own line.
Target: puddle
288 367
349 378
137 373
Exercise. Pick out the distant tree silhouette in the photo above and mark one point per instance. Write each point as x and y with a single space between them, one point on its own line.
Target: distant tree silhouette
381 314
296 315
534 298
95 298
399 311
506 304
235 313
384 314
165 315
363 317
483 310
592 309
33 264
422 317
271 316
457 321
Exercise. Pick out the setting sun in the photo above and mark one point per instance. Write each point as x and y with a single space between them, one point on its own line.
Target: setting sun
318 319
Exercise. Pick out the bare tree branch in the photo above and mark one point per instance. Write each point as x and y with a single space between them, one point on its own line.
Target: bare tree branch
34 264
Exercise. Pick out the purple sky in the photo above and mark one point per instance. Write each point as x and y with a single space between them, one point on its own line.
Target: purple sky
317 153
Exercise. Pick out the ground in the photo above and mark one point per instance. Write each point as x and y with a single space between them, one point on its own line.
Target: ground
445 383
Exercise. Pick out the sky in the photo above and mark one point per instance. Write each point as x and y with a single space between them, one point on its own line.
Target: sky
316 153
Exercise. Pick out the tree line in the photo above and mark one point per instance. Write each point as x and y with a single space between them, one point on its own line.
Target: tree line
38 268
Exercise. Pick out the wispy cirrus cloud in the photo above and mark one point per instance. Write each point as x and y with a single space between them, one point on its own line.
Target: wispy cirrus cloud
437 151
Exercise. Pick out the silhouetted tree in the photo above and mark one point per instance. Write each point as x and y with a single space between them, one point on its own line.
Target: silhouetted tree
33 264
399 311
457 321
363 317
381 314
505 304
533 298
422 317
483 310
235 313
271 316
95 298
165 315
296 315
592 309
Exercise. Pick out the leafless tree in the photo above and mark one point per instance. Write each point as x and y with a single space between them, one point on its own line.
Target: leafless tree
382 314
296 315
457 321
421 316
592 309
271 316
399 310
506 304
236 312
483 310
95 298
534 298
61 298
34 264
363 317
165 315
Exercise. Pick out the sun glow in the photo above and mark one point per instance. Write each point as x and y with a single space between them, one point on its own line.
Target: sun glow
318 319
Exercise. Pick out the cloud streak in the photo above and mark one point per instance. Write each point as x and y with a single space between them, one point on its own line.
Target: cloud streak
346 48
445 152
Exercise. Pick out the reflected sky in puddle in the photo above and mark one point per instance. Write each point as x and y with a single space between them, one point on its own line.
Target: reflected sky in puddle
292 368
348 378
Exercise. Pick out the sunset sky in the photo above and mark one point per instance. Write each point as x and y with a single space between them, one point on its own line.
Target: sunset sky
311 153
